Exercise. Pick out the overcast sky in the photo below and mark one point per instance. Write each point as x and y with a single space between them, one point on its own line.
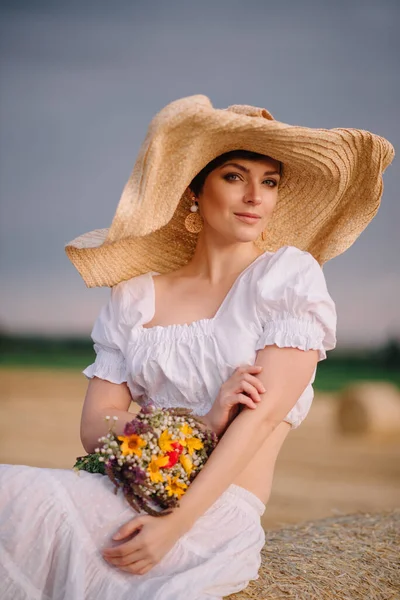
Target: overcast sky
81 80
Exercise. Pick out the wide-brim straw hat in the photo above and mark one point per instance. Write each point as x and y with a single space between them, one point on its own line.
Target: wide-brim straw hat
330 189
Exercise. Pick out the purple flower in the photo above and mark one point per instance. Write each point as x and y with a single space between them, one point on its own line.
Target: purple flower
139 475
136 427
147 408
144 427
131 428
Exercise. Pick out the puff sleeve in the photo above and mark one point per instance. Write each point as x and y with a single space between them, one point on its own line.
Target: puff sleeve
294 306
109 337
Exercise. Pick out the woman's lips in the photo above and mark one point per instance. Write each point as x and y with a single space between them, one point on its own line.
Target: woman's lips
247 218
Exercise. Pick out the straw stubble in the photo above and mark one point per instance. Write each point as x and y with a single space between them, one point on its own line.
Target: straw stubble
349 557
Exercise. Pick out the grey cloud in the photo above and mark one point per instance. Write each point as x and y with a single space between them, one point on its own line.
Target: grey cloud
80 83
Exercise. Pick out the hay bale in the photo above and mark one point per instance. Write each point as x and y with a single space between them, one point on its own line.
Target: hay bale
369 408
349 557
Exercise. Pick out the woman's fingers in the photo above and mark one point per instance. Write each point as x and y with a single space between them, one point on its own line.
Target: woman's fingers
126 559
128 528
249 369
249 389
255 382
249 373
126 548
145 569
138 568
246 400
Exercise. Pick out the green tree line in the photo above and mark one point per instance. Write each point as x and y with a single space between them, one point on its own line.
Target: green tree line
341 367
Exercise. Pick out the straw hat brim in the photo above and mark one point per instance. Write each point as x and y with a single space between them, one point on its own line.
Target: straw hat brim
330 188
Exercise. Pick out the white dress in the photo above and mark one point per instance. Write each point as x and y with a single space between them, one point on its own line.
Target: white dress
55 521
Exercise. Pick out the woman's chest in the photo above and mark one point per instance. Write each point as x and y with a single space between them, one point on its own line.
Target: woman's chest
183 302
188 363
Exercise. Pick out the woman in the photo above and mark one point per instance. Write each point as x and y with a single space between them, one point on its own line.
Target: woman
211 308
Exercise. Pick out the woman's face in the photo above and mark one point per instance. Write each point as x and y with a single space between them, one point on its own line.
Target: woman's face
238 188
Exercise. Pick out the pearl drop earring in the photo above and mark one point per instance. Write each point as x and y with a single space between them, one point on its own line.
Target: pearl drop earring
194 221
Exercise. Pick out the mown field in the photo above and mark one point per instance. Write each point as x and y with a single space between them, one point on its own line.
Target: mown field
320 471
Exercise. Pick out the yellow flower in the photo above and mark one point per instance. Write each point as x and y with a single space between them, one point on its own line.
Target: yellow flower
165 441
193 443
154 467
186 430
187 463
131 444
175 487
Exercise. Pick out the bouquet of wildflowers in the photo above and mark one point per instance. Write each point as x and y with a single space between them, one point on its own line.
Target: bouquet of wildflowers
159 454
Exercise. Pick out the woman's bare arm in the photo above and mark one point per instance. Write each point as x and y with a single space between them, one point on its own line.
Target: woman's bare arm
103 398
286 373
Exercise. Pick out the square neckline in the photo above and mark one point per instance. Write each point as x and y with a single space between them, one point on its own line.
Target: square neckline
197 322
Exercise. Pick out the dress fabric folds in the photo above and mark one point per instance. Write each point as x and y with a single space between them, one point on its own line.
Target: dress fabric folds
54 522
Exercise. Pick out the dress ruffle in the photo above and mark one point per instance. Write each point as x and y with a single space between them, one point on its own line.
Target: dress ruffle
294 306
294 332
110 364
160 334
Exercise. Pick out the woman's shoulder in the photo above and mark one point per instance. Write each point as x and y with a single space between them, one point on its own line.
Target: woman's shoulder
293 255
130 300
133 287
285 265
288 277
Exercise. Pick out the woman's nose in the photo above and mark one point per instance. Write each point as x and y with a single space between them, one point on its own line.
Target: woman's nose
253 193
253 197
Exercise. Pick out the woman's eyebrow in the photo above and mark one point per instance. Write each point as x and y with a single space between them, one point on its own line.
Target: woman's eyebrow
242 168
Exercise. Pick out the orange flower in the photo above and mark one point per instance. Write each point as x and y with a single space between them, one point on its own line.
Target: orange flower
175 487
186 430
131 444
192 444
154 467
165 441
187 463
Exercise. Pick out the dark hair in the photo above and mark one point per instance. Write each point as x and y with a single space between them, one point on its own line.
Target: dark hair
197 183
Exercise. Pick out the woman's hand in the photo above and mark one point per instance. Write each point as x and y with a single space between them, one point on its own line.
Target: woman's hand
153 538
242 388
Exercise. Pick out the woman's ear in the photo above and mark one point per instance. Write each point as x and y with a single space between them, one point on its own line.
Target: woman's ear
191 194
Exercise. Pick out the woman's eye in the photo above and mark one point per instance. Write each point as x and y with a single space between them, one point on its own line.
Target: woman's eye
229 176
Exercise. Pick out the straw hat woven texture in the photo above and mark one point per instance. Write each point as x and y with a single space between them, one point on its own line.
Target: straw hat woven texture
330 188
